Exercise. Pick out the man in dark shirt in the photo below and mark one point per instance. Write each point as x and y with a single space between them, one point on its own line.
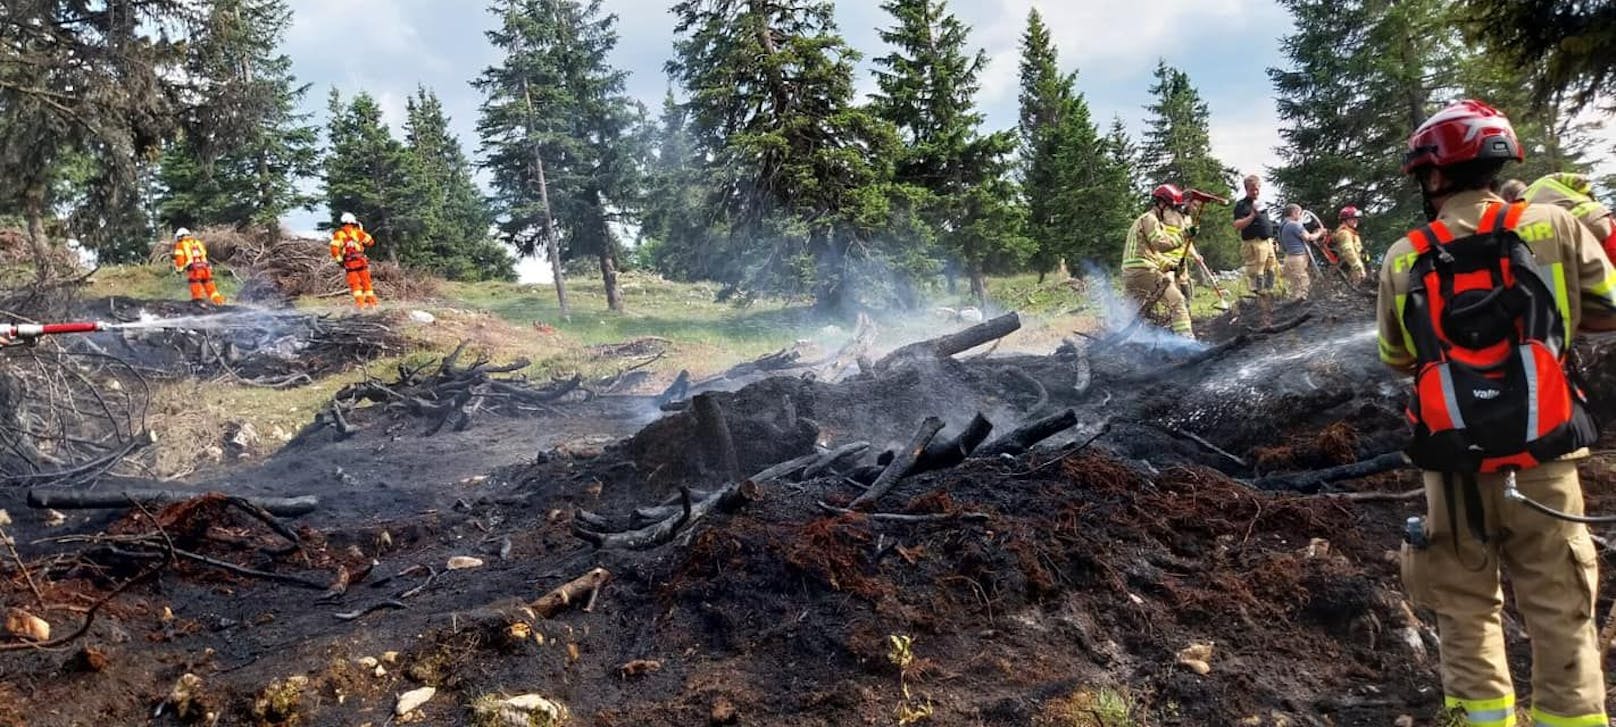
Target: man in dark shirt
1256 240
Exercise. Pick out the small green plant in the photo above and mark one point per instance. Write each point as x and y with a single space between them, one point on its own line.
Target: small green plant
1102 707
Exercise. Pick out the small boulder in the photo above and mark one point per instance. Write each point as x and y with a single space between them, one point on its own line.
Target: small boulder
461 562
25 625
412 700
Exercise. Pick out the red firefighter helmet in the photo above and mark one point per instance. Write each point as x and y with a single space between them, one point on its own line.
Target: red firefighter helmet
1464 131
1168 193
1350 212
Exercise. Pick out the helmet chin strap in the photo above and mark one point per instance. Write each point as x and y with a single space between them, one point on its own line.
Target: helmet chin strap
1427 197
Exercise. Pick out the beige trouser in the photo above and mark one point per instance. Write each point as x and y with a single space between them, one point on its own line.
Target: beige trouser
1553 568
1140 284
1352 258
1257 256
1296 278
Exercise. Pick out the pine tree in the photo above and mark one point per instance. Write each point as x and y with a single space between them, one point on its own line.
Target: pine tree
1177 150
249 146
556 104
795 175
1350 100
106 85
366 171
673 223
928 85
444 222
1078 193
1567 47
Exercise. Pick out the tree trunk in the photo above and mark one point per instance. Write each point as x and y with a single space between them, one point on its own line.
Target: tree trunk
34 211
979 284
552 242
608 276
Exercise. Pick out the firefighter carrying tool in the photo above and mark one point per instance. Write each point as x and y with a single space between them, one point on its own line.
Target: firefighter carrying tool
191 258
348 244
1481 305
1152 256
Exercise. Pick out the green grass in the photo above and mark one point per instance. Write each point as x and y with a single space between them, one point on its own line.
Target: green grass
680 312
152 282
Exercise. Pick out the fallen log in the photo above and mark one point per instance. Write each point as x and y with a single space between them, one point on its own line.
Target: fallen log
1282 327
787 468
828 461
112 499
899 517
730 496
901 463
582 588
1024 437
945 346
1314 480
720 444
938 455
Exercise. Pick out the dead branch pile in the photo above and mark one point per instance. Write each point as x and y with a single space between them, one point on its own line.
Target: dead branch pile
452 394
299 266
68 418
277 348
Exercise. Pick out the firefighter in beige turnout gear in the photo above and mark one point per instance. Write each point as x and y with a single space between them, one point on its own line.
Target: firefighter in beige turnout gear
1349 245
1573 193
1452 570
1153 255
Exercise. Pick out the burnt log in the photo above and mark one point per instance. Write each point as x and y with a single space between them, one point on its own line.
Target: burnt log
828 461
938 455
113 499
945 346
1024 437
715 431
1314 480
901 463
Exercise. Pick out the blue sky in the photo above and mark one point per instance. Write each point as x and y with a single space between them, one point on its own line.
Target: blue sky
388 47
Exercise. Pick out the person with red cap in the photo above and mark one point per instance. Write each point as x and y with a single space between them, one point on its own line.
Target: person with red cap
1152 256
1349 246
1481 306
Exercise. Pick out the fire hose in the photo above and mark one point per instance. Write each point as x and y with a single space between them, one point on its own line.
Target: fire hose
32 332
1514 494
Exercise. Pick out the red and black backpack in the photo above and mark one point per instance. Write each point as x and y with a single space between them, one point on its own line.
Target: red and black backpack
1493 390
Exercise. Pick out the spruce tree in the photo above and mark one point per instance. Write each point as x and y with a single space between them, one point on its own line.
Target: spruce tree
77 80
928 85
673 224
444 222
1078 193
796 176
556 105
1177 150
249 146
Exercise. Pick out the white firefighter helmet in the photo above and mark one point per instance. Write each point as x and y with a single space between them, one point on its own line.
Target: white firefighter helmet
182 233
348 218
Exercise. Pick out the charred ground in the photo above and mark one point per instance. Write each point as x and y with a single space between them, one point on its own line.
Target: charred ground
1134 569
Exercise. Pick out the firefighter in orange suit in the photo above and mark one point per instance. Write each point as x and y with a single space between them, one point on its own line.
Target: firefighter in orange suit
191 258
1478 527
348 244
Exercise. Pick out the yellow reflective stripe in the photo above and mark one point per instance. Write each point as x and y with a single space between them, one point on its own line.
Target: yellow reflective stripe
1541 718
1498 712
1399 302
1391 355
1562 299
